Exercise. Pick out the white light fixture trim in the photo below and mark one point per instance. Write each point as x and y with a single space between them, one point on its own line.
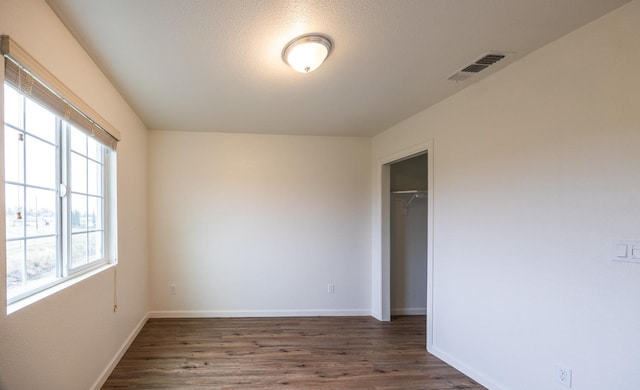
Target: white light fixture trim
307 52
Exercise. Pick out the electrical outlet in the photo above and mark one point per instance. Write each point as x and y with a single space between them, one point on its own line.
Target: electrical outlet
563 375
173 289
331 288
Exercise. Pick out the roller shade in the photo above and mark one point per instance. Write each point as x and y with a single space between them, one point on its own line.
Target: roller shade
30 78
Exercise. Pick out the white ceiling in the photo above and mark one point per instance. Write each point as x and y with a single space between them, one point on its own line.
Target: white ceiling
190 65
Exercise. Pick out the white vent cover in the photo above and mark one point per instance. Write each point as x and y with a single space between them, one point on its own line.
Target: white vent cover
478 65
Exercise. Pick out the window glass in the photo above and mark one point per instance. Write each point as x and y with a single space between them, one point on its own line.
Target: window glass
14 153
94 178
15 265
40 212
94 246
94 149
78 141
87 199
50 233
14 212
41 259
78 212
41 167
78 173
94 213
78 249
12 107
40 122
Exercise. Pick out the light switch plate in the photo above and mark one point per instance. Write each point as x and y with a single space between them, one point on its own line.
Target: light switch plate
625 251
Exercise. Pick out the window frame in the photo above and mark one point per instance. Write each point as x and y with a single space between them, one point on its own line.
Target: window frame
69 110
64 268
67 208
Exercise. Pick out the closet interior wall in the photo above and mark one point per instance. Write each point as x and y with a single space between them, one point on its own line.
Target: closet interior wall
409 236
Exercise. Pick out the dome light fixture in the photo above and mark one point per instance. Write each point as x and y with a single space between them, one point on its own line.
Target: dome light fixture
307 52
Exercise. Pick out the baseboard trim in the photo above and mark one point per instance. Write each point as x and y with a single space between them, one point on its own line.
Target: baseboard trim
477 376
116 359
257 313
409 311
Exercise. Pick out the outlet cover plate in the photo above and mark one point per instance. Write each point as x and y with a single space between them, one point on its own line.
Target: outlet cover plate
563 375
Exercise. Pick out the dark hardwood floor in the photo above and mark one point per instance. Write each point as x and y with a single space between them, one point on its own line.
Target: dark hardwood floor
293 353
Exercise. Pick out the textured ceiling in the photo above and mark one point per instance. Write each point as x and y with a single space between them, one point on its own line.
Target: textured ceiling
189 65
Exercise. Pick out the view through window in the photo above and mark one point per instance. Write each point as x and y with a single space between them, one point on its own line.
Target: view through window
55 198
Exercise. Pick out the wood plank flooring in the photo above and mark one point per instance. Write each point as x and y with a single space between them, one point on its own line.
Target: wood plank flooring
284 353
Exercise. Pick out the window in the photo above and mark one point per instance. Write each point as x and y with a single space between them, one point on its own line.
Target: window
59 187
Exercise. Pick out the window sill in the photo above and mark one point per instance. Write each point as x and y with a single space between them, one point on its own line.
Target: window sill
13 307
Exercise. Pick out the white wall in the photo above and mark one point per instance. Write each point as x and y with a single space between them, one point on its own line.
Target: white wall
536 170
408 255
535 173
67 340
259 224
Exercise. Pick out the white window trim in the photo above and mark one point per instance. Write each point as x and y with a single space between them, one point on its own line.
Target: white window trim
71 276
58 286
8 48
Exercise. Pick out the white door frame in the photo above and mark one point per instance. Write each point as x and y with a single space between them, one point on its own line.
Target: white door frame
381 267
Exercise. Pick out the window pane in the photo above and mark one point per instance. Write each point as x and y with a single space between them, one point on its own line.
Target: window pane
41 212
78 213
78 250
15 263
34 159
41 163
12 106
14 212
78 173
78 141
40 122
94 178
94 213
95 251
41 258
94 151
13 155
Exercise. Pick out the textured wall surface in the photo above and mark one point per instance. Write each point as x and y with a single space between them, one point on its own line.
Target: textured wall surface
535 174
259 224
68 340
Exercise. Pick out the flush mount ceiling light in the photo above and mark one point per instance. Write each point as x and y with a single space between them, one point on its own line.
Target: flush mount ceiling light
307 52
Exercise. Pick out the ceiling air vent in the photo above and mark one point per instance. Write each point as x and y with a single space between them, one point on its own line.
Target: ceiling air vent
478 65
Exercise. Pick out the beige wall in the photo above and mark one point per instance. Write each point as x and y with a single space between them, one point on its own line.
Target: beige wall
259 224
536 171
68 340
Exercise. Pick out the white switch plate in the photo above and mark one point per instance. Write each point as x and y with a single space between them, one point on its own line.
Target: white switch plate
625 250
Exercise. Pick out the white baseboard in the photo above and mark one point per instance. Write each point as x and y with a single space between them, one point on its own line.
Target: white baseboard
116 359
256 313
466 369
409 311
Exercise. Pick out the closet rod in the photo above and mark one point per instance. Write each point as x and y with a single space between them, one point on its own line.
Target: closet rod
409 192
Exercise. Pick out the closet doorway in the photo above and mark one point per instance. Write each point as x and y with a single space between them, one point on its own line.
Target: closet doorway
381 267
408 236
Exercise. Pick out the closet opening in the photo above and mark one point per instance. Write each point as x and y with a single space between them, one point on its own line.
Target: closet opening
409 190
408 236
